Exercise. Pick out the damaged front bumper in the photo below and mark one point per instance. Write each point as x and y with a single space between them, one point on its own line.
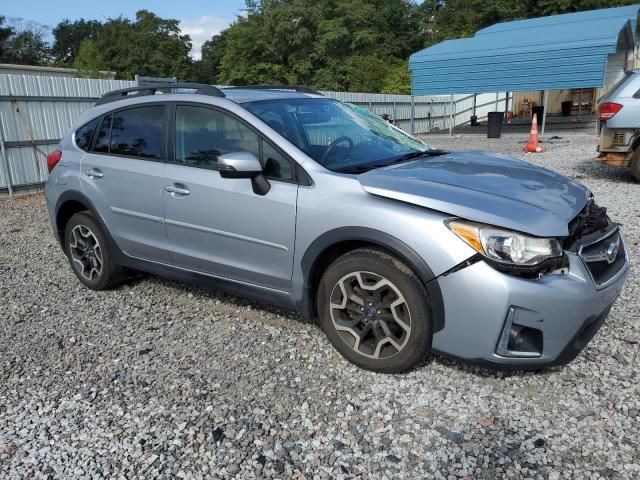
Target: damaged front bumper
514 323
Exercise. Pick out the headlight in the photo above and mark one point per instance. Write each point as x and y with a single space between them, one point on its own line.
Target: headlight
505 246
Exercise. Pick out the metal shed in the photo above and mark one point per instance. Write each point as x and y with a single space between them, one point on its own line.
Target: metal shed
576 50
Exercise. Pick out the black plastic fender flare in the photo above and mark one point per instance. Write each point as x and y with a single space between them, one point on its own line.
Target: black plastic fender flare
377 238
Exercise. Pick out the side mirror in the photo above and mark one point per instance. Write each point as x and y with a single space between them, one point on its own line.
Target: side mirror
238 165
244 165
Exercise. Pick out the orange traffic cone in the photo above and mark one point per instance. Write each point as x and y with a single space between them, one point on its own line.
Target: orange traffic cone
532 145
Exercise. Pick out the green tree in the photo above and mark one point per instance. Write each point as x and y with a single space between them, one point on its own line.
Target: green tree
398 80
6 32
68 37
150 46
551 7
332 44
207 69
89 61
23 43
462 18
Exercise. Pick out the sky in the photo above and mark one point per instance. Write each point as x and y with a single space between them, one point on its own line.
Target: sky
200 19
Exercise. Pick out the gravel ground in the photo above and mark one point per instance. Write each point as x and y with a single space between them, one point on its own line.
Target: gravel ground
159 379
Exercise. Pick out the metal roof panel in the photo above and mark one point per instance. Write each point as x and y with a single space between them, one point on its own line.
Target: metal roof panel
559 51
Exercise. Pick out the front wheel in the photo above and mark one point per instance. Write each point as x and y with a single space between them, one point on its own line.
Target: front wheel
375 311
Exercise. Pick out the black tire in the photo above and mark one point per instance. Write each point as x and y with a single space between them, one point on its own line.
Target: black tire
401 284
635 165
110 274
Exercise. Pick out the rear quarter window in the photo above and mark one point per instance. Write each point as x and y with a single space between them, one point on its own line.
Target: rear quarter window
85 133
102 136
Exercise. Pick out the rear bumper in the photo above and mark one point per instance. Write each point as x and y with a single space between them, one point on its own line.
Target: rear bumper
51 196
566 310
616 145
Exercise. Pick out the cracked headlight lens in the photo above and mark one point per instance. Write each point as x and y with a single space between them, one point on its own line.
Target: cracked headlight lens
506 246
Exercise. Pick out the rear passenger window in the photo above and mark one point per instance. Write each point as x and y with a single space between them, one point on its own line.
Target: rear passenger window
203 134
84 134
102 137
137 132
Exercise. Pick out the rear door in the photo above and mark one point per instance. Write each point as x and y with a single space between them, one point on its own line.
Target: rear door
219 226
123 176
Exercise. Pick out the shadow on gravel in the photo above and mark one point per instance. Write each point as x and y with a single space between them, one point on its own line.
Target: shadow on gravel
484 372
230 303
593 169
227 301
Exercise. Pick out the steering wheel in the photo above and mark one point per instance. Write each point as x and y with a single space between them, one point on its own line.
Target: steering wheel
332 146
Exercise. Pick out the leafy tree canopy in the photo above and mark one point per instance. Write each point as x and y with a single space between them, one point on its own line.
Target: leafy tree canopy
353 45
23 42
68 36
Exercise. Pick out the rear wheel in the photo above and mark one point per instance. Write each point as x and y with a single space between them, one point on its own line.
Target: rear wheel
375 311
635 164
89 254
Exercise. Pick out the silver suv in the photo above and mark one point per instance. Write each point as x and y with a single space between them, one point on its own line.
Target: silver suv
281 194
619 115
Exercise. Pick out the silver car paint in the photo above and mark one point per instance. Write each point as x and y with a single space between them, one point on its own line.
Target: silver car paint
629 115
487 188
240 162
558 305
264 239
222 228
129 194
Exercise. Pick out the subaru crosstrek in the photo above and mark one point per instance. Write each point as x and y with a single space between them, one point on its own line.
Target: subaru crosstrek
281 194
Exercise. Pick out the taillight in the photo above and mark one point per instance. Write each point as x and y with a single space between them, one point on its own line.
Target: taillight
53 158
608 110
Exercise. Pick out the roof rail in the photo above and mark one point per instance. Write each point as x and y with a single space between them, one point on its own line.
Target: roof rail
200 88
295 88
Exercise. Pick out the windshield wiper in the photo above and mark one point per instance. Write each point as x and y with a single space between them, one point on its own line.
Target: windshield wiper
403 158
412 155
356 169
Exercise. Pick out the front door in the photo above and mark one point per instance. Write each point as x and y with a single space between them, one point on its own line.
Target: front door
220 226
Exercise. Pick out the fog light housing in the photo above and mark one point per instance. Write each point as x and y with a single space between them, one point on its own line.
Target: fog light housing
518 340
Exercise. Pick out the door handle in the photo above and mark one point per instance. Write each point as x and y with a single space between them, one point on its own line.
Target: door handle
94 173
177 190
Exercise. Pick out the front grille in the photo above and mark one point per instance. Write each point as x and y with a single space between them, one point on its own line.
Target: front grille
604 258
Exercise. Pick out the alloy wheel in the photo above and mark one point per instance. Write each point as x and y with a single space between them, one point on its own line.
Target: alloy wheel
86 252
370 314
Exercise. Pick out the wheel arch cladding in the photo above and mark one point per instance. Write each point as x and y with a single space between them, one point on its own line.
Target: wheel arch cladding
71 202
335 243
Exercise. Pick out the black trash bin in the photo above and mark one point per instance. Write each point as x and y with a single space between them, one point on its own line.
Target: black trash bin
474 120
538 112
494 124
566 108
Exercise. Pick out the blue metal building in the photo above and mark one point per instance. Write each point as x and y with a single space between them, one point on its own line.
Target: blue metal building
589 49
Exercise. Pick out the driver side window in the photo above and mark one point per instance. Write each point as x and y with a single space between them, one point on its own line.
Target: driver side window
203 134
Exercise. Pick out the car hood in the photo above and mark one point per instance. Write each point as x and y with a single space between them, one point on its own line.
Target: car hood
484 187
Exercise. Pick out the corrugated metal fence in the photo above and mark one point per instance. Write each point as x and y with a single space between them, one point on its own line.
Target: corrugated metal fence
36 111
424 114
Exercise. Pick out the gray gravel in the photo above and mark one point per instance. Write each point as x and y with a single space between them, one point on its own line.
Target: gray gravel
159 379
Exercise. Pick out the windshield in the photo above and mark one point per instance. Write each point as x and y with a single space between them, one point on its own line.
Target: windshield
339 136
